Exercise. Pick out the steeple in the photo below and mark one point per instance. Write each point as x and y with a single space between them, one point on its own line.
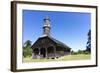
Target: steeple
46 26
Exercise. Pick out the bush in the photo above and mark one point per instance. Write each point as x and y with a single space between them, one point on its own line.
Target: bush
80 52
27 51
86 52
74 53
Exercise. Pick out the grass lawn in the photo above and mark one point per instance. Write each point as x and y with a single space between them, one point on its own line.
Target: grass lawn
64 58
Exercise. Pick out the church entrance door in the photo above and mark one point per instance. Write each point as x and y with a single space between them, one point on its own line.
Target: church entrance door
43 52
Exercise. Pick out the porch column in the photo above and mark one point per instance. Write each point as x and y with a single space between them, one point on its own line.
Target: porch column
39 51
39 55
46 52
32 53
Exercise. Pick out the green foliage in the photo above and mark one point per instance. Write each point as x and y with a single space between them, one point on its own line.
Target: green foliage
88 45
80 52
87 52
27 43
73 53
27 50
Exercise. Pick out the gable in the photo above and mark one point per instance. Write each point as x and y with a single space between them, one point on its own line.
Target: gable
44 41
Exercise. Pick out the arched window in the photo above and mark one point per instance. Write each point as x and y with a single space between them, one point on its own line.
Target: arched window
50 49
36 51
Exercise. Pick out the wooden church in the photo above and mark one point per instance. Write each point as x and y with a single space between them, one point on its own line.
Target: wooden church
48 47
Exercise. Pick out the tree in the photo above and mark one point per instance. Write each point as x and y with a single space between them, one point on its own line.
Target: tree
27 51
80 51
88 45
27 43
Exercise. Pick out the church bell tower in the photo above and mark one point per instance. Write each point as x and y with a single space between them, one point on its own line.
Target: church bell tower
46 26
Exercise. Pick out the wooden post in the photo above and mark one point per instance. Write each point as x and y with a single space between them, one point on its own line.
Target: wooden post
39 54
46 52
39 51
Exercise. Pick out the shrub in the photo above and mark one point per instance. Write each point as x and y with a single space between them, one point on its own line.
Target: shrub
27 51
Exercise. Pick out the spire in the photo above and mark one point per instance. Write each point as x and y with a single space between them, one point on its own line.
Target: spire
46 26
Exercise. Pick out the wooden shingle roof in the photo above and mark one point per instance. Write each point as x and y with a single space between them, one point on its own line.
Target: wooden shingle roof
55 40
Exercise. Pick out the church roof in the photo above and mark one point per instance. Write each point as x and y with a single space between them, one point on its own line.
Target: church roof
54 40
